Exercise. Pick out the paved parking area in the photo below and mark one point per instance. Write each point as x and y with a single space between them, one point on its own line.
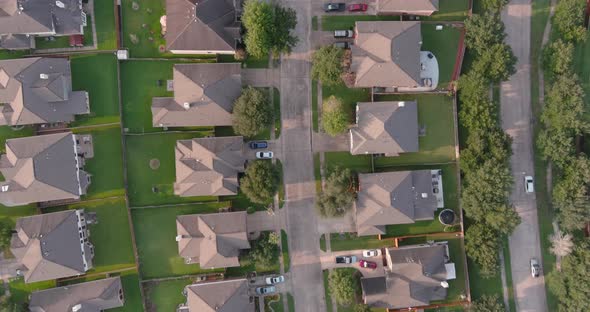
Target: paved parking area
317 7
328 260
250 154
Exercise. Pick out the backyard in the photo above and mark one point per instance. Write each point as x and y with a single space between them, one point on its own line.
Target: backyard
105 24
142 32
165 295
444 44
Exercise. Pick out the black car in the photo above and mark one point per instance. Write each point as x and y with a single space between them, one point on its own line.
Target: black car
342 45
258 144
346 259
334 7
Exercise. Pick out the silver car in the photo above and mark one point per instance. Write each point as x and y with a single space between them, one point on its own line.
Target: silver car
535 268
274 280
266 290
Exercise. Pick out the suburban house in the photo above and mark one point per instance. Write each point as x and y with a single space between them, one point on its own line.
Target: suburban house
37 91
415 275
202 27
53 245
204 95
414 7
21 21
388 128
399 197
94 296
45 168
208 166
212 240
387 55
228 295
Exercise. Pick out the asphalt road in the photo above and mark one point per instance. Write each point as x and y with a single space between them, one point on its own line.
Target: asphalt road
516 120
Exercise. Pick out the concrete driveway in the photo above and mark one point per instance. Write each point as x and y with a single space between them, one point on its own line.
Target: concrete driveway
328 260
7 268
317 7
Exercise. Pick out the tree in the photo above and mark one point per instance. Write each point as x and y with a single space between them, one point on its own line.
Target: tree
561 244
334 117
12 304
327 65
483 31
569 19
571 286
268 28
558 57
496 62
556 145
570 194
362 308
337 196
265 252
6 227
343 285
252 112
260 181
481 245
494 5
487 303
564 105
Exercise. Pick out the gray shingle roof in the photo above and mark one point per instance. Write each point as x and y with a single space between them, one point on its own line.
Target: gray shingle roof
418 7
220 296
209 90
48 246
39 90
94 296
388 128
386 54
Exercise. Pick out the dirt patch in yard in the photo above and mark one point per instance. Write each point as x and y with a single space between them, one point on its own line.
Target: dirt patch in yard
154 163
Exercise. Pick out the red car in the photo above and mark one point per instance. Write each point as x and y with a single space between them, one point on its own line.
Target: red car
358 7
368 264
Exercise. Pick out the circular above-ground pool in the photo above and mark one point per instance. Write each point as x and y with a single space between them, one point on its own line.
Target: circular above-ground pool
446 217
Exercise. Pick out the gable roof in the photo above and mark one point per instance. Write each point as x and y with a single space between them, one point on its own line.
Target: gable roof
388 128
213 240
393 198
386 54
41 17
220 296
413 279
94 296
39 90
42 168
48 246
405 6
204 95
208 166
213 22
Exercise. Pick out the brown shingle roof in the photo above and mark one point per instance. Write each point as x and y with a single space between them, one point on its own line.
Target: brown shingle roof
221 296
418 7
204 95
386 54
212 240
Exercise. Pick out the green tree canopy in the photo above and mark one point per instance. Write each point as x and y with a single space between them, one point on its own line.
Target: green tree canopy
483 31
570 194
362 308
268 28
481 245
252 112
265 251
494 5
327 65
572 284
569 19
6 227
334 117
260 181
564 105
496 62
343 285
556 145
487 303
558 57
337 196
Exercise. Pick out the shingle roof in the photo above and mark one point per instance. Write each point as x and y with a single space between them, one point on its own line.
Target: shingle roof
94 296
221 296
39 90
16 42
42 168
213 22
208 166
204 95
393 198
212 240
386 54
41 17
405 6
48 246
388 128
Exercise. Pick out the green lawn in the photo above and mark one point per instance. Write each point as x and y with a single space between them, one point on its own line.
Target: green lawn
290 302
435 115
275 302
148 14
155 229
242 202
97 74
139 83
356 163
255 62
143 180
21 291
317 172
281 191
349 241
444 44
106 31
348 96
64 41
165 296
328 296
323 242
285 251
314 105
8 54
450 10
107 154
276 100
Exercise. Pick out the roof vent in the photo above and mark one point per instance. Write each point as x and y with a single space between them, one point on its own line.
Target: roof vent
186 105
444 284
178 238
424 195
43 76
77 308
401 104
61 5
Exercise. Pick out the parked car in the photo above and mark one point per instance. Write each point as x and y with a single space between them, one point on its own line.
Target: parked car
342 44
529 185
334 7
358 7
275 280
371 253
343 34
368 264
265 290
264 155
535 268
258 144
346 259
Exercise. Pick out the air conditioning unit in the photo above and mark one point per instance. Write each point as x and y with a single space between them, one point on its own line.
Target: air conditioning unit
60 5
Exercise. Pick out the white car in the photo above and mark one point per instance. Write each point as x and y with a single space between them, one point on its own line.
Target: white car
535 267
274 280
371 253
264 155
529 185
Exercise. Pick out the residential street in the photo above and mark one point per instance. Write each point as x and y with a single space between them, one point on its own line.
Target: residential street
516 121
